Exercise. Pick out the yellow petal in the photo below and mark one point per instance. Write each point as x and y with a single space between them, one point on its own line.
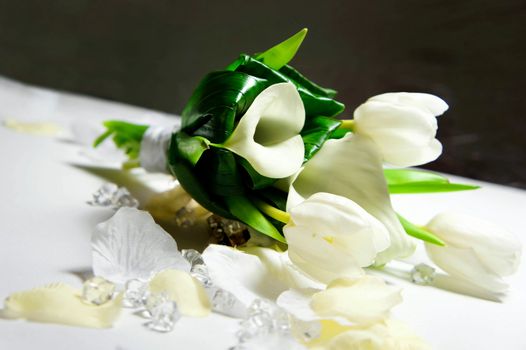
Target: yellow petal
186 291
60 303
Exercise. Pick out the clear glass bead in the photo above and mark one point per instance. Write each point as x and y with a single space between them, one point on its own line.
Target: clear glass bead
104 195
164 316
97 290
152 302
135 293
200 272
123 198
223 301
423 274
193 257
185 217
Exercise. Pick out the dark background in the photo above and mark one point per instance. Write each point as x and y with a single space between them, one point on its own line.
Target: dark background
153 53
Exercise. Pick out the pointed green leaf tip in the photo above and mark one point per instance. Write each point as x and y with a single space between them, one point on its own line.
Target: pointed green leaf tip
281 54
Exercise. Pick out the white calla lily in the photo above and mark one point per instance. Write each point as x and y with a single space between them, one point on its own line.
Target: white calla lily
476 250
351 167
403 125
267 136
330 236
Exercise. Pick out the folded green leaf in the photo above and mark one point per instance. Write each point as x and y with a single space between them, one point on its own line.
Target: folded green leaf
401 181
420 233
242 208
316 131
281 54
191 148
300 80
220 98
254 179
315 104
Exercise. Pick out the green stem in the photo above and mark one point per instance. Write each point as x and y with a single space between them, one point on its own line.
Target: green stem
273 212
420 232
347 124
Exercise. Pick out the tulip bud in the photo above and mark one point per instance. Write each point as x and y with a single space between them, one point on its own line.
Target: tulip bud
330 237
477 251
403 125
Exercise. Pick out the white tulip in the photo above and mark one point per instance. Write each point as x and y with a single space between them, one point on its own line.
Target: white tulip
477 251
403 125
331 236
351 167
267 136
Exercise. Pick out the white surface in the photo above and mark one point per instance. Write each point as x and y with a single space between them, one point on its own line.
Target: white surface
45 229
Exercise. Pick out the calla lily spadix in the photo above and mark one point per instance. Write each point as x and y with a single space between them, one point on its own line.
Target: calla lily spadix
403 125
267 136
351 167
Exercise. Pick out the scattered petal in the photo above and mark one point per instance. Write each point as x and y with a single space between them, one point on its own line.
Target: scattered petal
186 291
130 245
60 303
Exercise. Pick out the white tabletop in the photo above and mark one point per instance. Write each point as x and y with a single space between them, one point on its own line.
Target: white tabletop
45 228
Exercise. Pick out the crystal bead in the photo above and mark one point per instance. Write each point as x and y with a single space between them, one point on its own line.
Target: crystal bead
185 217
104 195
152 301
164 316
200 273
223 301
123 198
97 290
423 274
305 330
111 195
193 257
135 293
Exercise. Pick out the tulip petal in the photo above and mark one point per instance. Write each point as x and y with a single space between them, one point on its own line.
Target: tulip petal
60 303
363 300
434 104
131 245
186 291
267 136
242 274
356 172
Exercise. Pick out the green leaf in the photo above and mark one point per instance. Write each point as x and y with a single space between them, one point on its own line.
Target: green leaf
126 136
191 148
254 179
274 196
400 181
315 104
220 98
190 179
221 173
316 131
419 232
281 54
300 80
243 209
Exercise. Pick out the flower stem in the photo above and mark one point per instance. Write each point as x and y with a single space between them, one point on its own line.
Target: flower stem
273 212
347 124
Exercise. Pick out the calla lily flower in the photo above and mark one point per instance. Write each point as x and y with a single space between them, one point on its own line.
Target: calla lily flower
403 125
331 236
476 250
351 167
267 136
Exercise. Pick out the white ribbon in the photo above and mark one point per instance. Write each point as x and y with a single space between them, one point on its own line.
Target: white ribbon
154 147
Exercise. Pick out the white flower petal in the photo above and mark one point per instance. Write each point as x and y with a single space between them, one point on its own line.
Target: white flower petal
131 245
60 303
351 167
186 291
432 103
242 274
362 300
267 136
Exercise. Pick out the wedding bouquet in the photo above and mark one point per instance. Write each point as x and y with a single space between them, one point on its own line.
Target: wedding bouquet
262 145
